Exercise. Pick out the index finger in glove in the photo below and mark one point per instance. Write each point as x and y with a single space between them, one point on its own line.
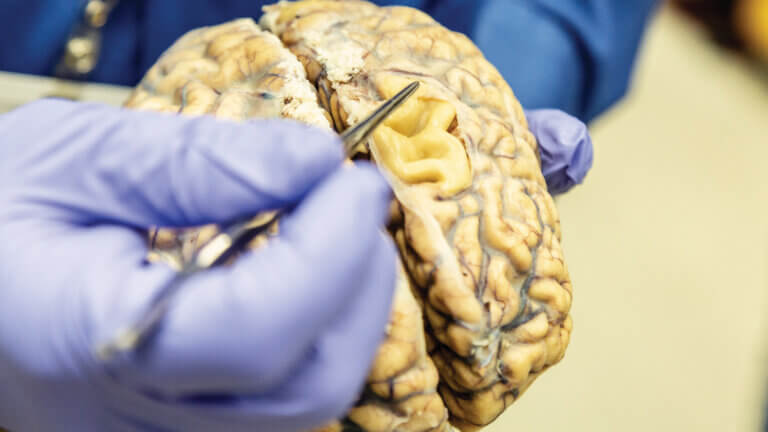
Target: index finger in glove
245 329
89 164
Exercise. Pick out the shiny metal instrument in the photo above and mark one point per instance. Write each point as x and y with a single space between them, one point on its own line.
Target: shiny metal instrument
230 240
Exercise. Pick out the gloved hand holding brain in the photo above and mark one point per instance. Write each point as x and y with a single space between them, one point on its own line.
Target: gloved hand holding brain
483 297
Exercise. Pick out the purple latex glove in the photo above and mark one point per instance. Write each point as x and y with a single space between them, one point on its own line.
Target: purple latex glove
565 146
282 340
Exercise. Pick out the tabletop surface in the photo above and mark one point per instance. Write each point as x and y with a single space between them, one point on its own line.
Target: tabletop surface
17 89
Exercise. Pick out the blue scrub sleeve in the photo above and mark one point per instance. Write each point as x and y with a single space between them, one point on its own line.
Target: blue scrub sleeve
573 55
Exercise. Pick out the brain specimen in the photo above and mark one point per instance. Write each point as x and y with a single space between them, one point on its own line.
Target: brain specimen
483 298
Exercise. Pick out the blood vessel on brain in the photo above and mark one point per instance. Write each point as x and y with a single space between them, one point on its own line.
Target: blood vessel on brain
483 299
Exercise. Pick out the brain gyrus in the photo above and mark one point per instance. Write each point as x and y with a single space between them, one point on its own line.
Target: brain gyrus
483 298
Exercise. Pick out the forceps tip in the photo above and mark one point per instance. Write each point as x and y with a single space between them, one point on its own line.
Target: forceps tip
355 136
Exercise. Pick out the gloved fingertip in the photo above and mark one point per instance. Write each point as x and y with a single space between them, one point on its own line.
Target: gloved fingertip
565 146
371 183
344 213
583 157
312 142
284 143
269 163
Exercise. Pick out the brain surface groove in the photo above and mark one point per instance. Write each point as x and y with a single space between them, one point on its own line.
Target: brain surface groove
483 296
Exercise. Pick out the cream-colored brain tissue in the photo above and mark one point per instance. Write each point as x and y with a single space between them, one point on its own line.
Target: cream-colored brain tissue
483 296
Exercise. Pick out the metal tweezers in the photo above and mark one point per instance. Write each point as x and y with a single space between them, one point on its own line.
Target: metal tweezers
229 241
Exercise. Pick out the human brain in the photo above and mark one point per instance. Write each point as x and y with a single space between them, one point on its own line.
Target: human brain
483 296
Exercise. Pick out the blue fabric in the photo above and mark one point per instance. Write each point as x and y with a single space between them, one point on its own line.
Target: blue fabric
573 55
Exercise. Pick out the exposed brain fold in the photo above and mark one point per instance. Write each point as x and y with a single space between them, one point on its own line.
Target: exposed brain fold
483 298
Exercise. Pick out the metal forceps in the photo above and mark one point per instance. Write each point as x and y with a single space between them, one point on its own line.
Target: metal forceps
231 239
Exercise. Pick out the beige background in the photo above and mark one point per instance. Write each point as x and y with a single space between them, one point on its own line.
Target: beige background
667 243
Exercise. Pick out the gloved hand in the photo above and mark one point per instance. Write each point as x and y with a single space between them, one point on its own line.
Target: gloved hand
282 340
565 147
